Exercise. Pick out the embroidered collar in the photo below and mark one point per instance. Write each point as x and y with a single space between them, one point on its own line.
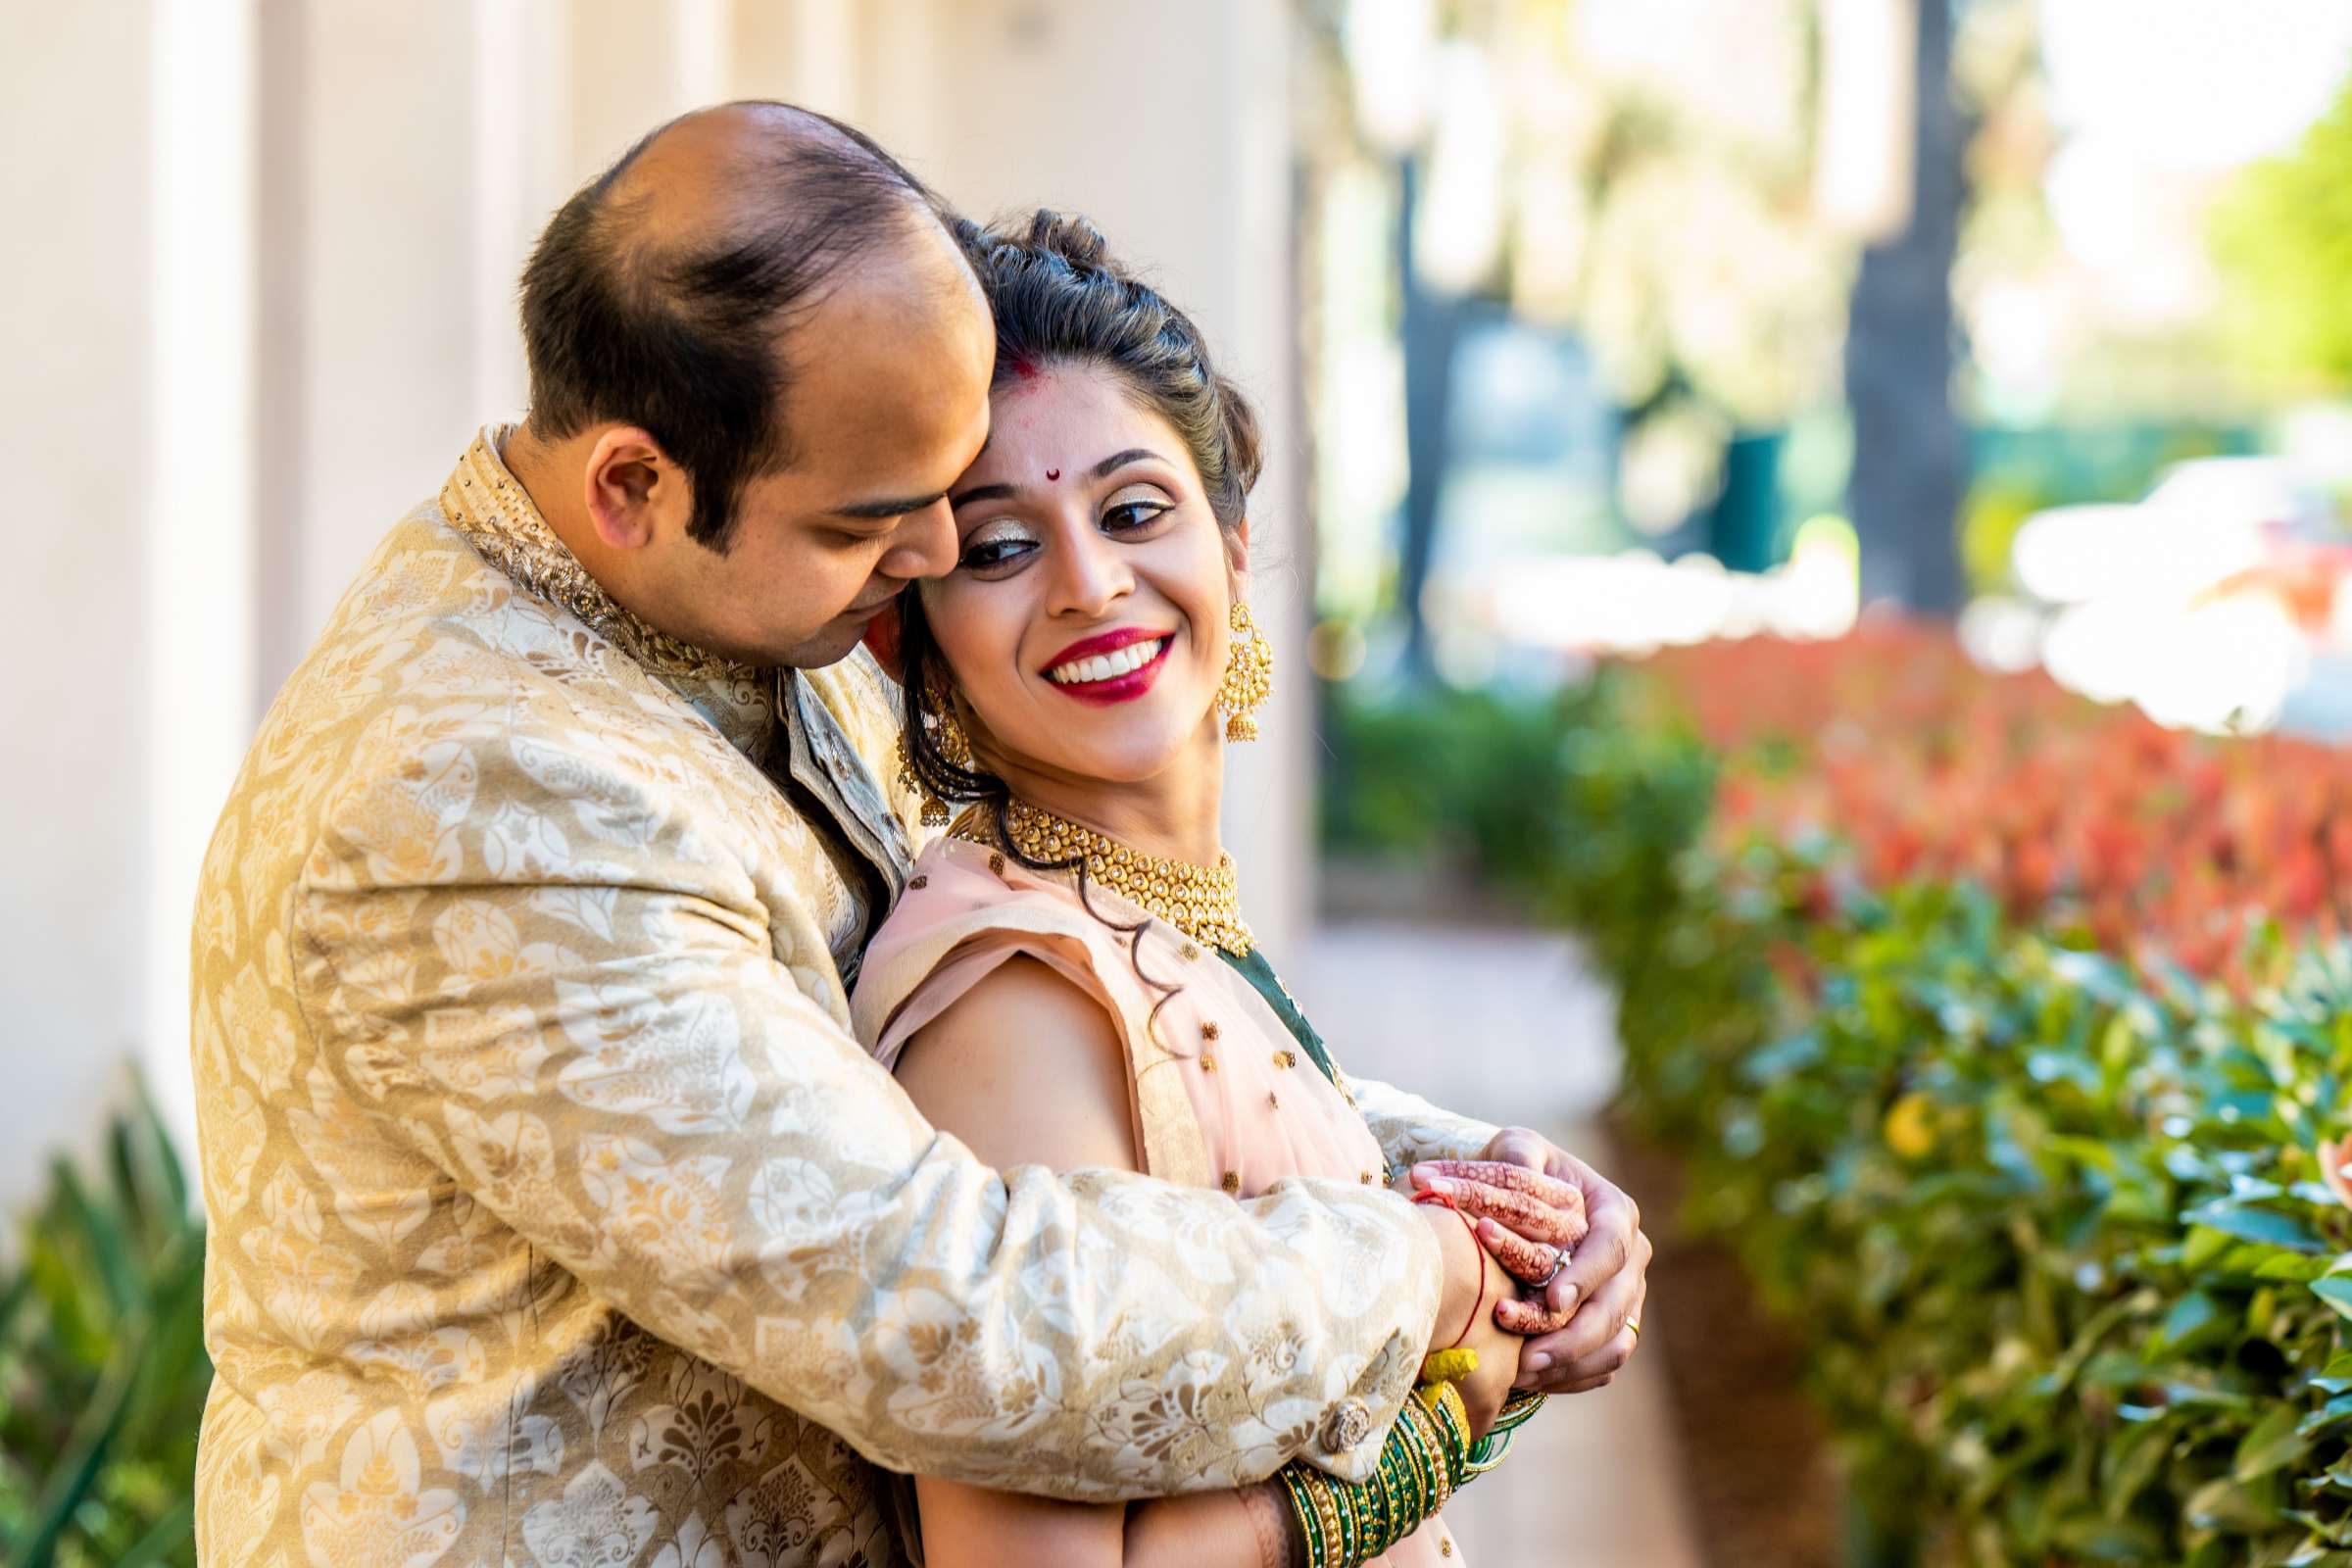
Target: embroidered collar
483 502
772 716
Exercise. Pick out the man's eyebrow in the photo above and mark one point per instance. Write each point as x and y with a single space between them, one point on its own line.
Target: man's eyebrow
883 510
980 492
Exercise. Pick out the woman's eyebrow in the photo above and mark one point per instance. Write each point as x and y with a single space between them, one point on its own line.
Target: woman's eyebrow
1119 460
1100 470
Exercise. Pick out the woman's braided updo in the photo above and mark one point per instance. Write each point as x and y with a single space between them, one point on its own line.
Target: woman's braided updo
1060 298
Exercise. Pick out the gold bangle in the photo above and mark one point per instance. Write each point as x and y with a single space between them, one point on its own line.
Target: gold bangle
1431 1431
1335 1524
1425 1463
1303 1508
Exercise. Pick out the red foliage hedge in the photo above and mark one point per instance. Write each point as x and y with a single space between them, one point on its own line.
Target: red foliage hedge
2162 844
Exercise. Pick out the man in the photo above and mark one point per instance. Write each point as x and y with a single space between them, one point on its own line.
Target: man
556 1217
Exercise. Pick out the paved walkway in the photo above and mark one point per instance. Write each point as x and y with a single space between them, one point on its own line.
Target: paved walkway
1510 1026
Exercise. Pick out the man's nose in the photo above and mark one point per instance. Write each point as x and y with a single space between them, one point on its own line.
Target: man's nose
923 544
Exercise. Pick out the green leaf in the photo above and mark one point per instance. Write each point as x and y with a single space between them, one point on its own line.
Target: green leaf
2337 1292
2277 1440
2132 1461
2264 1225
2194 1311
2230 1505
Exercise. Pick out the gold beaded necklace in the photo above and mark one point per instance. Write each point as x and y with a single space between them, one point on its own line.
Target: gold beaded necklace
1204 902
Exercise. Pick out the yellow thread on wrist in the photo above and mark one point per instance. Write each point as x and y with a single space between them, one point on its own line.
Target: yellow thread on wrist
1448 1366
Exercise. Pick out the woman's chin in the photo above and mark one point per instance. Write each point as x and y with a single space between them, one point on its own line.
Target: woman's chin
1132 761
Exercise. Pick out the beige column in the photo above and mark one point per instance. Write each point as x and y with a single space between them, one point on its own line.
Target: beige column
522 169
78 639
204 454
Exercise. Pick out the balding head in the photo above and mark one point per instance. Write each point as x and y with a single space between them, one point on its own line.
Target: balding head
666 292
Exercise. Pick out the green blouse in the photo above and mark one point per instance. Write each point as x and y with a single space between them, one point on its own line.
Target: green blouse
1267 984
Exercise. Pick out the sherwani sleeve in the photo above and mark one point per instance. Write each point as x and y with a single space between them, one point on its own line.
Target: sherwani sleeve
1412 1129
546 974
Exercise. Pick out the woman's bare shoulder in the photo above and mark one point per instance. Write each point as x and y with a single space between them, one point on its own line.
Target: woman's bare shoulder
1026 1069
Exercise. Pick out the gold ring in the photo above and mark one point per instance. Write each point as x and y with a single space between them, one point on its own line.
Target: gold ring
1635 1324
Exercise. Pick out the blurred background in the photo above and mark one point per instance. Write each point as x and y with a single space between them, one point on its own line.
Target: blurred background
1732 459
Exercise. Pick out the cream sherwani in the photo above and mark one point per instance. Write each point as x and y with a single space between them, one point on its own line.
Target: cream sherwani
556 1216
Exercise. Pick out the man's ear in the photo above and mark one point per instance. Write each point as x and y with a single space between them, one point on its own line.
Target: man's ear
630 481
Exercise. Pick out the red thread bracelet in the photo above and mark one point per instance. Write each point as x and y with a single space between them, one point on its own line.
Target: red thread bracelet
1430 1195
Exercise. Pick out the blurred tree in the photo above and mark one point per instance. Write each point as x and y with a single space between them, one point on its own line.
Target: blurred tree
1432 330
1682 183
2282 237
1910 452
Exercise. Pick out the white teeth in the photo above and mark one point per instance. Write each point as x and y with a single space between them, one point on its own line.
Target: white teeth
1106 666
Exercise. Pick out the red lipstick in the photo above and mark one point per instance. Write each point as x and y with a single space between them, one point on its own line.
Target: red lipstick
1121 688
1110 642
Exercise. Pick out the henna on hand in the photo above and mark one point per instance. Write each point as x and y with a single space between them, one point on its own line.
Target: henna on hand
1520 1315
1548 1190
1280 1545
1528 1262
1514 1208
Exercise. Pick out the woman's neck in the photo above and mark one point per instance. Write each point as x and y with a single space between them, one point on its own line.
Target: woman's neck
1172 814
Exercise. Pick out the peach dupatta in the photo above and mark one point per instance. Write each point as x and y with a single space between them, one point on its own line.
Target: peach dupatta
1221 1095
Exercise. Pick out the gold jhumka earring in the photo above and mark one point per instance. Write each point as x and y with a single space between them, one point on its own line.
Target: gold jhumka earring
954 748
1248 675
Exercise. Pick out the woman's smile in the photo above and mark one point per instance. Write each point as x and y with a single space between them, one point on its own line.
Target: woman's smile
1117 667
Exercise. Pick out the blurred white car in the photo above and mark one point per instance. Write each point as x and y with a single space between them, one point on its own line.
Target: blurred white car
2204 604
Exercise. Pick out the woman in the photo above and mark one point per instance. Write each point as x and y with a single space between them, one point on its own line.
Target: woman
1069 979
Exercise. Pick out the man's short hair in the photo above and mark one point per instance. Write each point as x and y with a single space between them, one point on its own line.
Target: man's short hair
683 338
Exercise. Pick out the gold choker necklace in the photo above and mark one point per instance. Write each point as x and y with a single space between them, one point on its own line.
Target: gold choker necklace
1204 902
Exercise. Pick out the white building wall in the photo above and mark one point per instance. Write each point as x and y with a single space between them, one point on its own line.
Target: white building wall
74 711
387 163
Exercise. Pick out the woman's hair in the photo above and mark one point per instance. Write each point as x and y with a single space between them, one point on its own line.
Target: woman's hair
1060 297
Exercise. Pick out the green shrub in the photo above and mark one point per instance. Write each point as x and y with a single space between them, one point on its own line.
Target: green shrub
2053 1232
103 1372
1524 790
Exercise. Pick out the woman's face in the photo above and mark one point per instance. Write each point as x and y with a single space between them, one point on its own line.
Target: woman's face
1085 621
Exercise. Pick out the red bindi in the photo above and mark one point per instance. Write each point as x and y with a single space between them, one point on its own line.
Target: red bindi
1053 474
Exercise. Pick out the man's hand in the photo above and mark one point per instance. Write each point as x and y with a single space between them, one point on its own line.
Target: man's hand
1531 1199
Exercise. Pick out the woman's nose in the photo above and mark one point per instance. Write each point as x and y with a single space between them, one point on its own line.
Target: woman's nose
1088 577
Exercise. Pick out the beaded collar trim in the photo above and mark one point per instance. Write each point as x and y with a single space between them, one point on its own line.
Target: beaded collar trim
483 502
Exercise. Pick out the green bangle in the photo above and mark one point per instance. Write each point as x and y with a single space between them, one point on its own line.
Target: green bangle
1426 1459
1490 1450
1293 1485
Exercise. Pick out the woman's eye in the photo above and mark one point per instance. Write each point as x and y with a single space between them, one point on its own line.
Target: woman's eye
995 550
1126 516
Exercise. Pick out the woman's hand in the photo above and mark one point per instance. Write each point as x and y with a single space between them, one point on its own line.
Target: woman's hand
1586 1321
1475 1283
1498 1351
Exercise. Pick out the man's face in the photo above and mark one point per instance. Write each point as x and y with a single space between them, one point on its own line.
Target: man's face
888 379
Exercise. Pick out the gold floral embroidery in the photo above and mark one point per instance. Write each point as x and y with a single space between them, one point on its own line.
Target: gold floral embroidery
492 923
484 503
